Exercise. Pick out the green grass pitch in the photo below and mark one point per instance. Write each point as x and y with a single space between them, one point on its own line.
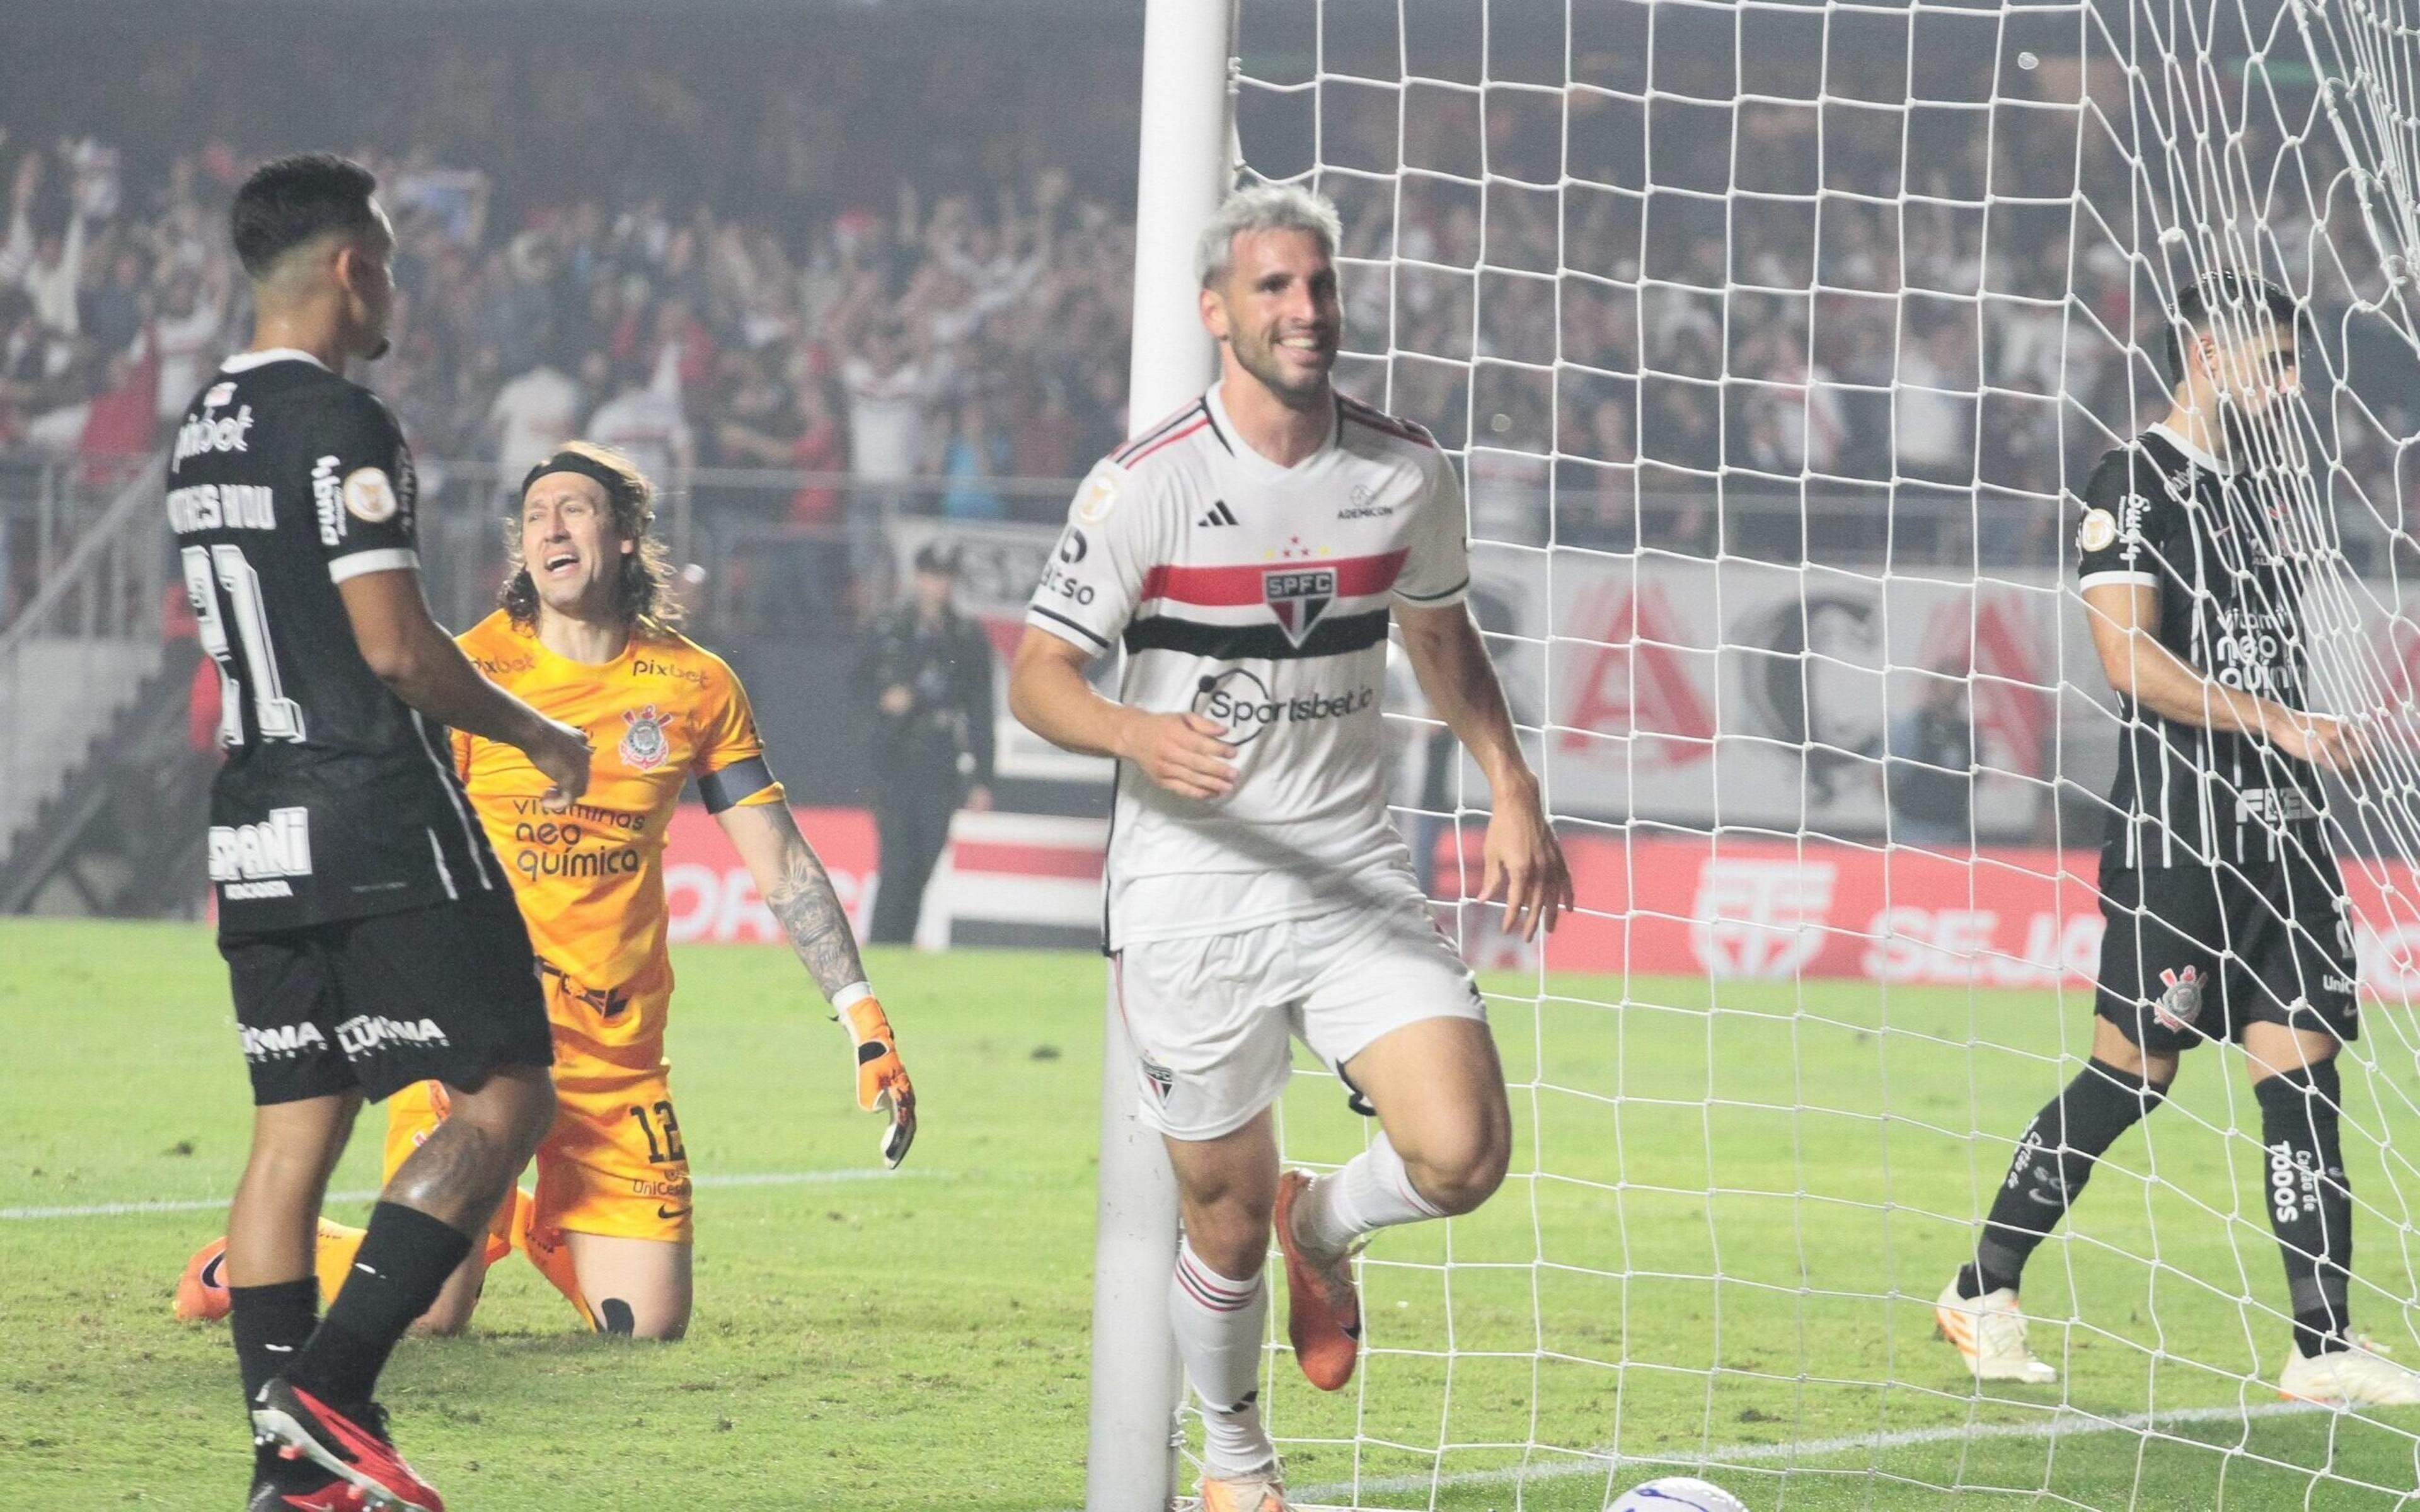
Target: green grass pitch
1742 1218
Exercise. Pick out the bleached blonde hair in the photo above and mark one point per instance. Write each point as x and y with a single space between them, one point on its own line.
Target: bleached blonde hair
1263 208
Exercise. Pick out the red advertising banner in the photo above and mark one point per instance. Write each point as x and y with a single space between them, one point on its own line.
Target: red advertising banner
1036 876
2009 917
1664 906
714 899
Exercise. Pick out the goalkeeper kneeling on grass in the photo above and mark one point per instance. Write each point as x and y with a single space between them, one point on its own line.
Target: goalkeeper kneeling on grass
587 633
2226 915
1249 551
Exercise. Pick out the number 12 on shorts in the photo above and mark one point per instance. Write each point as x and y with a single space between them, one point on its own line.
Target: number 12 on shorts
668 1149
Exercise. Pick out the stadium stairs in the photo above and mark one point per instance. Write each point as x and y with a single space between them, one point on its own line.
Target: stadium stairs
88 687
122 834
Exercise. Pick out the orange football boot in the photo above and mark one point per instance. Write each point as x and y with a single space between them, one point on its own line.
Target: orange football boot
1323 1312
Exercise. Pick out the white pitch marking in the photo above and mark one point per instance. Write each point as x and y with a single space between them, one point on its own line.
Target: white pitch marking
2065 1422
120 1210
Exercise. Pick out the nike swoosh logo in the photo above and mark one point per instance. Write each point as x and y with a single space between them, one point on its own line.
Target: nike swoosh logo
2047 1200
662 1212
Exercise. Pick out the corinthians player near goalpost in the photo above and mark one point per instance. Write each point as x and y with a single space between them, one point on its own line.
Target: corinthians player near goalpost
588 634
1247 551
370 937
2226 915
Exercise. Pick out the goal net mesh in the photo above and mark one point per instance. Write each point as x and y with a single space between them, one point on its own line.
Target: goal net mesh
1777 342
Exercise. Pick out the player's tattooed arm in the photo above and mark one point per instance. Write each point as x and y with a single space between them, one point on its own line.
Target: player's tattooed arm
811 916
799 891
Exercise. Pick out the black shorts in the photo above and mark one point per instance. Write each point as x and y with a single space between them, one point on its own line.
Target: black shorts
2196 953
370 1005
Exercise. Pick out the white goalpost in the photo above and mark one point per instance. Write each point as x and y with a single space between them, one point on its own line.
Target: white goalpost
1182 172
1776 340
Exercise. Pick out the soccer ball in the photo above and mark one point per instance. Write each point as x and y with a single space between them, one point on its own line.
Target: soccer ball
1677 1493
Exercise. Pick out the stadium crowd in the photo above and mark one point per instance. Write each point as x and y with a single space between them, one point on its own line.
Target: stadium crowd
911 339
932 336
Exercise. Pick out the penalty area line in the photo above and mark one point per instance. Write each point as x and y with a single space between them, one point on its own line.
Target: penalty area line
122 1209
2066 1422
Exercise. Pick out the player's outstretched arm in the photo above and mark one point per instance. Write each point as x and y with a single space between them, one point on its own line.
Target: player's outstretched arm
797 890
414 656
1048 694
1522 855
2123 616
800 893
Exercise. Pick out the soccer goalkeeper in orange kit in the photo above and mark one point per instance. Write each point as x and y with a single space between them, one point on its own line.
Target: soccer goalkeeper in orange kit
586 634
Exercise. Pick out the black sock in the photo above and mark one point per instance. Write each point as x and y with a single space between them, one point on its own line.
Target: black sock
2310 1203
270 1324
403 1262
2054 1158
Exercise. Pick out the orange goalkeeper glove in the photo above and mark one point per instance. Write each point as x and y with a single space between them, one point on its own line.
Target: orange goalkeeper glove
882 1083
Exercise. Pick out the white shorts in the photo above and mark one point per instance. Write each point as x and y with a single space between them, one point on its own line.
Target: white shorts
1211 1016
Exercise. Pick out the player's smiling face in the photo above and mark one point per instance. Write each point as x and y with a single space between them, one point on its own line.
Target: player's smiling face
1279 312
569 546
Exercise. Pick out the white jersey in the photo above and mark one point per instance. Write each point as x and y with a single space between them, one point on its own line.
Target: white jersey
1257 595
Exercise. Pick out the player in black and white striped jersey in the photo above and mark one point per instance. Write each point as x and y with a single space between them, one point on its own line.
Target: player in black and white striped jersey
371 938
2227 914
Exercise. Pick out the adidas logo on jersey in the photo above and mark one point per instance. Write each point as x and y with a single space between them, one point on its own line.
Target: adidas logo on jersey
1218 513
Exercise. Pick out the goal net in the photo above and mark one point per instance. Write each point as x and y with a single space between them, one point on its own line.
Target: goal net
1777 342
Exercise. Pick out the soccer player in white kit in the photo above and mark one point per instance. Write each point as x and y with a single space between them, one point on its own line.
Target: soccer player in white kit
1249 552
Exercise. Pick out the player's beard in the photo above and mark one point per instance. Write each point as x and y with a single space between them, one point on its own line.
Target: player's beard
1258 357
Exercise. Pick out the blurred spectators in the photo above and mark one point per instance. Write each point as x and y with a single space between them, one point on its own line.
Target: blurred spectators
974 455
644 420
531 416
723 269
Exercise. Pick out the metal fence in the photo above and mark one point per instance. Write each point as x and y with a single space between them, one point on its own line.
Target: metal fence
779 550
84 633
47 505
760 551
776 552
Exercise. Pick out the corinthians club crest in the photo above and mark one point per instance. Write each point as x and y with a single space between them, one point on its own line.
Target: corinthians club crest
1298 597
644 744
2178 1007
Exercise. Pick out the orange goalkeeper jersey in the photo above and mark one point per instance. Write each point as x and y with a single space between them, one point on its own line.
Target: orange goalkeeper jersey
590 881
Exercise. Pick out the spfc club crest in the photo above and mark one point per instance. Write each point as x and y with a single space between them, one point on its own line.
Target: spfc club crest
644 745
2180 1004
1161 1080
1298 597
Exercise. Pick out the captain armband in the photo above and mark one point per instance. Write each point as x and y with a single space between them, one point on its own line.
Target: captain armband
744 781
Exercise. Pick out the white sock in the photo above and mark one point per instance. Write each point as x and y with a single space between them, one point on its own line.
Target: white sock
1370 1193
1219 1324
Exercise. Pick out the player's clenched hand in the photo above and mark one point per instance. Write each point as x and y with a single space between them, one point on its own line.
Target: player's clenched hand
1525 862
2327 743
1182 753
882 1083
560 754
